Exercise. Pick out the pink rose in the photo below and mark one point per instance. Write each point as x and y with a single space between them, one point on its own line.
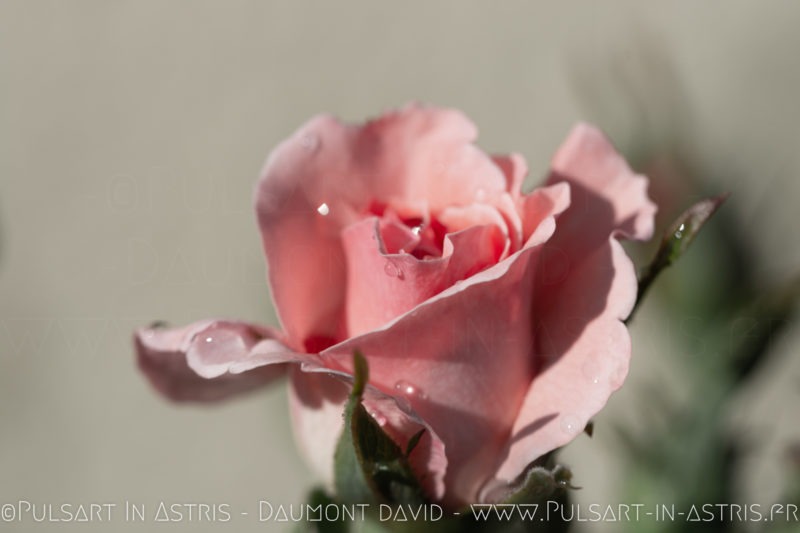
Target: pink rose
490 317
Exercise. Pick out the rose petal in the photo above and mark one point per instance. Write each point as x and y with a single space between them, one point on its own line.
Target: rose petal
540 204
416 160
183 366
515 169
589 161
441 365
586 287
383 286
317 398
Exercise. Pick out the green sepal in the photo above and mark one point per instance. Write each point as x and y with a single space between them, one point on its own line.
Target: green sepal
368 466
539 484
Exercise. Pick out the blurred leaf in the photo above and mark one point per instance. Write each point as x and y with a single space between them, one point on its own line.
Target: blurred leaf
763 321
318 497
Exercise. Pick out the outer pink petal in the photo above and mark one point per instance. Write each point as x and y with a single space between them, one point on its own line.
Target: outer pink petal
184 365
463 359
417 160
316 398
586 287
588 161
214 359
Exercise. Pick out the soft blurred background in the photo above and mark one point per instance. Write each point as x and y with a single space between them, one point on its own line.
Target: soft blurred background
131 135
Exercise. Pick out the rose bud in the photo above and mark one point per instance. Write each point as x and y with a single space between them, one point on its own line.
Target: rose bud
491 318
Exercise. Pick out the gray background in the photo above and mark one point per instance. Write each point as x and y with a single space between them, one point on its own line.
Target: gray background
131 136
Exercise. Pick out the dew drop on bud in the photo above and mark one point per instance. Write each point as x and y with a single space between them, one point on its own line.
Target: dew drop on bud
323 209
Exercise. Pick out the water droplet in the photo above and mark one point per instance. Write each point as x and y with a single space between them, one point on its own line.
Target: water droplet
404 387
570 425
310 141
218 345
591 370
380 419
679 232
416 230
323 209
393 270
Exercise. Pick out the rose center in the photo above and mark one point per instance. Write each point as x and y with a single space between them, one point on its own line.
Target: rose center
421 237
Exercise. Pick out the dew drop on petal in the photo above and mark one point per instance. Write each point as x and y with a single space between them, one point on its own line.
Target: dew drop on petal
323 209
570 425
393 270
310 141
416 230
591 370
219 345
380 419
408 389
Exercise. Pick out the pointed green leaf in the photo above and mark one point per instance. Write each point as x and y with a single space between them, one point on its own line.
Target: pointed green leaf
676 241
538 484
369 467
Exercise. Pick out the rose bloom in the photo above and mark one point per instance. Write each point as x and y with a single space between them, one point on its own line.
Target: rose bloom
489 317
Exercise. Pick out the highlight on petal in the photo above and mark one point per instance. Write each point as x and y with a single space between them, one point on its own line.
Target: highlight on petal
195 362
